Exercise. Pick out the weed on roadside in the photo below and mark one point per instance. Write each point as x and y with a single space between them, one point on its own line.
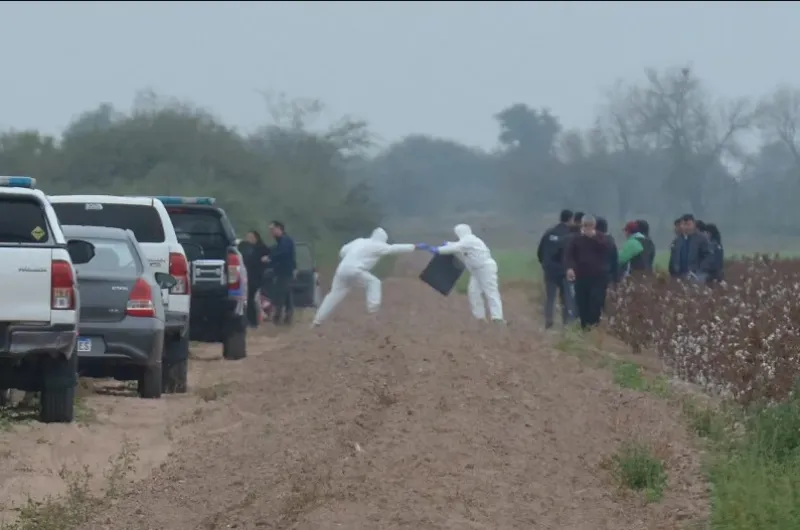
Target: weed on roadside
636 467
630 375
78 505
705 421
571 340
756 475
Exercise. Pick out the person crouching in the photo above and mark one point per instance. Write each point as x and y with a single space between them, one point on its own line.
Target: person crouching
587 259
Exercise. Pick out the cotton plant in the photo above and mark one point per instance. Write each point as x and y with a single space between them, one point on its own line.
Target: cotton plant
740 339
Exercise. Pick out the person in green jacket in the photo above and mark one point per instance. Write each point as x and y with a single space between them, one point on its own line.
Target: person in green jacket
632 255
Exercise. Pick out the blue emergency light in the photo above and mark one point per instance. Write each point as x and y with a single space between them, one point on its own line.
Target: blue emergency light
208 201
18 182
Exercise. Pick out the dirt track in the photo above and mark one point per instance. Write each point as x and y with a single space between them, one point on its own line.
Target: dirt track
419 418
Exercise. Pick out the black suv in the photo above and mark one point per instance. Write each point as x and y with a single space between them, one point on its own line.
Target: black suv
216 269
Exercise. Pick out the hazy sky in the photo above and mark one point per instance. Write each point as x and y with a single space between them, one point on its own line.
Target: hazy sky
441 68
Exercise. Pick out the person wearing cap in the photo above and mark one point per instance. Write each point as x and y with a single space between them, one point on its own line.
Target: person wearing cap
647 243
632 255
550 254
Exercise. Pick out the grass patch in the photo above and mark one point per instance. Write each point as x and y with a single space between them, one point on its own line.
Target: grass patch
27 410
571 340
637 467
630 375
754 464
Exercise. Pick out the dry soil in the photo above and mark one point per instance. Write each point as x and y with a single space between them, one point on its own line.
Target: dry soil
417 418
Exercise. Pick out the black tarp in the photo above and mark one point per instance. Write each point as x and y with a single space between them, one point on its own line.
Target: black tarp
442 273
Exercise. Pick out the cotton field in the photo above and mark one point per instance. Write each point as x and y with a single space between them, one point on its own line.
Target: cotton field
740 338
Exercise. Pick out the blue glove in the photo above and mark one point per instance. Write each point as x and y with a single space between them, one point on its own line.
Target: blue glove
432 250
422 246
444 243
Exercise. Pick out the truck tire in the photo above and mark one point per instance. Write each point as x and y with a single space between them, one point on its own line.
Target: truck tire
234 345
150 382
57 399
175 377
175 366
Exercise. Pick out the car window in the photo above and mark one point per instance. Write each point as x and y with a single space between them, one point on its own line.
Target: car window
111 255
202 227
303 256
143 220
22 220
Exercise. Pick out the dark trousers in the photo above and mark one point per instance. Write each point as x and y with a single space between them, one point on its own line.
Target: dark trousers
282 299
590 296
252 303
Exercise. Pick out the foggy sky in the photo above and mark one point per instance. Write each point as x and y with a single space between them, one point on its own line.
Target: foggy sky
440 68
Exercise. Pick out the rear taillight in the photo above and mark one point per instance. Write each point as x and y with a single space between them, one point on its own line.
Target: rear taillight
234 271
140 302
179 268
62 285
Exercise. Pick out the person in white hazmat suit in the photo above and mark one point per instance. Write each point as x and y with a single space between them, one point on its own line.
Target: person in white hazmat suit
477 259
358 257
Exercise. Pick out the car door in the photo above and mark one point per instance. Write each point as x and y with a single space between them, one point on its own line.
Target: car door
304 284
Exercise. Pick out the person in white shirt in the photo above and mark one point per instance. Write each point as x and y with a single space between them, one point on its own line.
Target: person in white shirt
358 257
477 259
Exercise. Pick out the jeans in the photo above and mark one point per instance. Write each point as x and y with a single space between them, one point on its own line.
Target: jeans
558 285
282 299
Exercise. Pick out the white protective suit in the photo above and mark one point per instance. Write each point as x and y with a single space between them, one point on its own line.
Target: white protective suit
477 259
358 258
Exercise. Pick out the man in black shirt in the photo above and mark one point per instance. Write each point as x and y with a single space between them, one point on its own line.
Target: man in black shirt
551 257
282 259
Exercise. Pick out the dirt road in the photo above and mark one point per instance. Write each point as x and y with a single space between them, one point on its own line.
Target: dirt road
419 418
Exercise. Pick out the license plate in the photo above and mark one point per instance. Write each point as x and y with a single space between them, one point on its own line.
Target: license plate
84 345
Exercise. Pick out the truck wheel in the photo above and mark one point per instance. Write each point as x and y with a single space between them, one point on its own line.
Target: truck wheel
57 399
234 346
175 366
150 382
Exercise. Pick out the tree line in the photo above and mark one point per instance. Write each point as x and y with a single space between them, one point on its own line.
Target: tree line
660 146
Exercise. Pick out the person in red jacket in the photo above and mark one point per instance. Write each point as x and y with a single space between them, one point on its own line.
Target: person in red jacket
587 259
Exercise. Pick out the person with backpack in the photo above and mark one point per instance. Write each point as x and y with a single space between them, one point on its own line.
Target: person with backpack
632 255
647 243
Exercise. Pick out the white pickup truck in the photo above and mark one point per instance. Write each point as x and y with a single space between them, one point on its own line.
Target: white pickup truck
39 301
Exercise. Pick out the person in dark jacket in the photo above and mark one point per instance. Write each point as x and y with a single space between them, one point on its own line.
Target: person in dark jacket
254 251
717 262
283 261
613 267
551 258
650 246
690 256
587 260
613 275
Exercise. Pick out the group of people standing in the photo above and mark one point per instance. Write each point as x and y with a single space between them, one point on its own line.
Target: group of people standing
580 260
270 269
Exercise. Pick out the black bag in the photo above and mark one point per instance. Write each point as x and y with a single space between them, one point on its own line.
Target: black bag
442 273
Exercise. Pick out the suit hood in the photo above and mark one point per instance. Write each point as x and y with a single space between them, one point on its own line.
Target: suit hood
379 234
462 230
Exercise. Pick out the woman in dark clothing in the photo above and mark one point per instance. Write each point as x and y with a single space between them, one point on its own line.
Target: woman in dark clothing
717 267
255 264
